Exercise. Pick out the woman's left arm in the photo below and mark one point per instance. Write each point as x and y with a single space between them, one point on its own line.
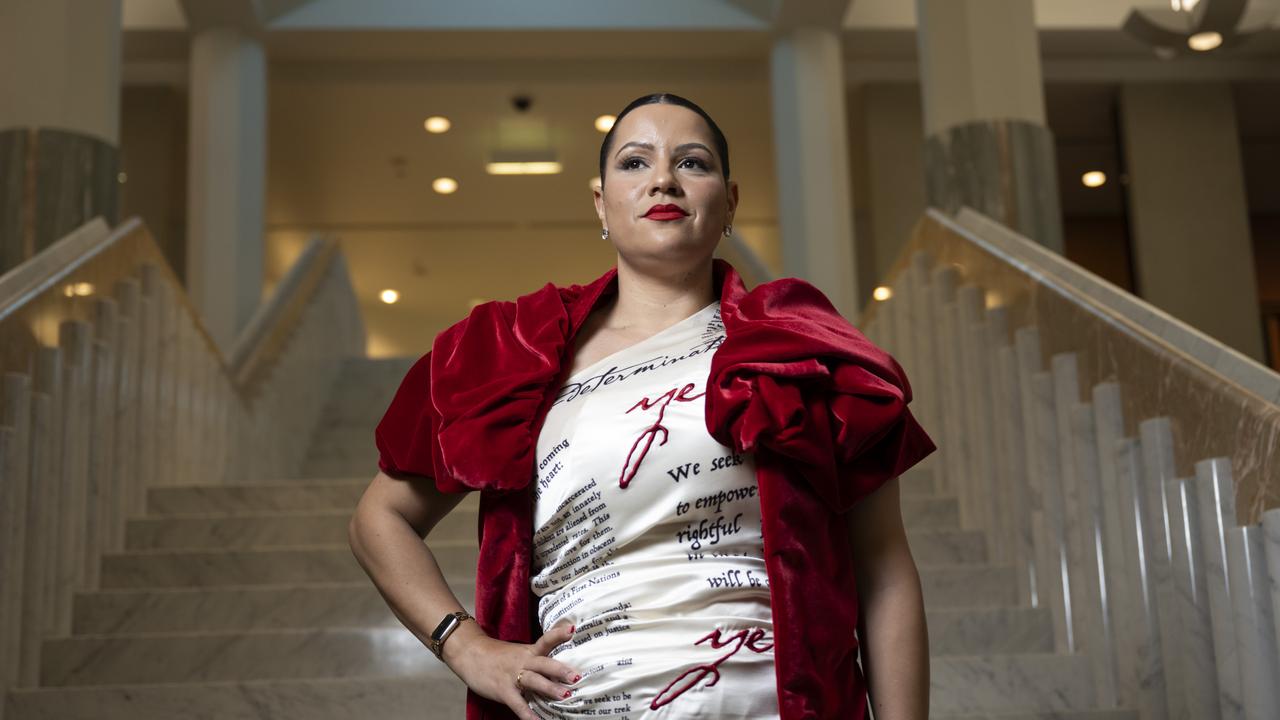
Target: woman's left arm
895 651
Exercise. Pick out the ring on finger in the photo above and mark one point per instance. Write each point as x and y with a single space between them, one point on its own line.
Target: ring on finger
518 685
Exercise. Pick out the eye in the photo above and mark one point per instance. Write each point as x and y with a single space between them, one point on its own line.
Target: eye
626 164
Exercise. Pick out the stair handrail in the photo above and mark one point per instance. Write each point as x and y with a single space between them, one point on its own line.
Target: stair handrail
110 384
1253 388
261 337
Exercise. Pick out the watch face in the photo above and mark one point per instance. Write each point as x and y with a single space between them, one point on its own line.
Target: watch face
443 628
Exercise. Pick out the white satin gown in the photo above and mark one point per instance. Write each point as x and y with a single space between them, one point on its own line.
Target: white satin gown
647 536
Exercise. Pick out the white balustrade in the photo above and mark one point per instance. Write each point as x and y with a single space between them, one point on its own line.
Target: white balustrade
107 395
1147 572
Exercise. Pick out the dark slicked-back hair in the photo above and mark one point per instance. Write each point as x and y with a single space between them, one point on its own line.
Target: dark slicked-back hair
722 145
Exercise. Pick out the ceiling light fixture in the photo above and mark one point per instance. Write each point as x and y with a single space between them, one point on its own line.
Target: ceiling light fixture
523 162
523 144
1205 41
1198 25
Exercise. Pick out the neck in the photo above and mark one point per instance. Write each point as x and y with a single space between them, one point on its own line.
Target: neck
648 301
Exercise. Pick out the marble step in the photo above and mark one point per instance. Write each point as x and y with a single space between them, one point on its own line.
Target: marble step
329 527
359 376
943 585
341 492
348 436
269 566
959 684
284 496
968 586
410 697
339 651
357 413
254 655
355 385
1009 683
1047 715
234 608
327 446
366 466
396 698
358 604
989 630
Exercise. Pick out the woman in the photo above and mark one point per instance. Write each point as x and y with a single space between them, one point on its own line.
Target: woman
662 511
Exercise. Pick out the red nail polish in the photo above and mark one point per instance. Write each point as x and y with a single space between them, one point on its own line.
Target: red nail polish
576 678
566 693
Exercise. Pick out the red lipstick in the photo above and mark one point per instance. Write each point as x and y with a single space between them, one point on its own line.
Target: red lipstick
665 212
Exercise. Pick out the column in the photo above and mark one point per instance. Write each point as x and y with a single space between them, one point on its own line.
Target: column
1192 248
986 143
59 120
226 178
815 215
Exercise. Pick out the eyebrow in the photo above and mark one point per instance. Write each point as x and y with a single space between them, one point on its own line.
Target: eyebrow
679 148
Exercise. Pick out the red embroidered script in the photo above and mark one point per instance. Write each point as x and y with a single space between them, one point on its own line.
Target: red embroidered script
745 636
652 431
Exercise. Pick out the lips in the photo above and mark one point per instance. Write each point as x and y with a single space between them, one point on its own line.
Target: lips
665 212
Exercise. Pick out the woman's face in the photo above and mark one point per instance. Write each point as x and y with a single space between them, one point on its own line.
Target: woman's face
664 155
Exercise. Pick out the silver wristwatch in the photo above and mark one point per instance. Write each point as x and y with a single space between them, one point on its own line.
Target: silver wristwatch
444 629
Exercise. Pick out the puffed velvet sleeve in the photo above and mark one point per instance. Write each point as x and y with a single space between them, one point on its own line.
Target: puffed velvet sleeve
406 434
794 377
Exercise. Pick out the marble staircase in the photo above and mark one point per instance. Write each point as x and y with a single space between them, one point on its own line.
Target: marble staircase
244 601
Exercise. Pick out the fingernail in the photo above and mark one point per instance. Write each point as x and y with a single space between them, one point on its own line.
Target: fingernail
566 693
576 678
572 628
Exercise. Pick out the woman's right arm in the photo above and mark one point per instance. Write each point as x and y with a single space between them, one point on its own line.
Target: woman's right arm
386 534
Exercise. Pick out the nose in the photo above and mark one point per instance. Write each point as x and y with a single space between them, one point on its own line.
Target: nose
664 181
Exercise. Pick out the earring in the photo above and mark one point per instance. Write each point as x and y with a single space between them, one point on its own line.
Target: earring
728 230
604 234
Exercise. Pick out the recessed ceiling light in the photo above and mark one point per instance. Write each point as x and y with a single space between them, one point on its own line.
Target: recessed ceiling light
1204 41
604 122
1094 178
436 124
444 185
81 288
523 168
882 293
389 296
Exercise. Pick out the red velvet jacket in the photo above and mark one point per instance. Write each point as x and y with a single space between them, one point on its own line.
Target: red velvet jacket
823 409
